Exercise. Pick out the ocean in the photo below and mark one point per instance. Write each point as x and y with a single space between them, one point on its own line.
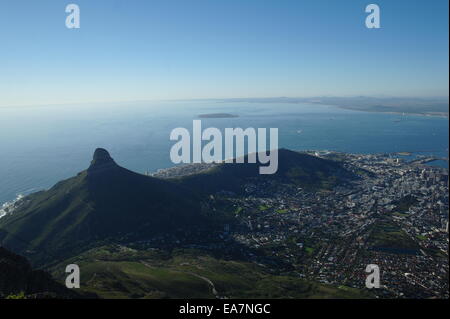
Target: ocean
40 146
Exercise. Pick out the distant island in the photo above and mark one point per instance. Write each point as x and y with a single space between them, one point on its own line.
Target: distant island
217 116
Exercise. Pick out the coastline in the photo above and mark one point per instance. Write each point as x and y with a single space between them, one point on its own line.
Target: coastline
429 114
410 106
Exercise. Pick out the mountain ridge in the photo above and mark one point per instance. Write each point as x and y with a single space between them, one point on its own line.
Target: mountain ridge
110 203
103 201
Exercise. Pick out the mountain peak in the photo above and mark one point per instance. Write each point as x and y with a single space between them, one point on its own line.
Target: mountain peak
101 153
101 160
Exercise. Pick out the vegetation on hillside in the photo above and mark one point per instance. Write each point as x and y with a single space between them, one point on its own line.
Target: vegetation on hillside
122 272
386 235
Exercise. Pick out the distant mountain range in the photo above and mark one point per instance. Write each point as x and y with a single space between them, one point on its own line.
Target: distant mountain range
438 106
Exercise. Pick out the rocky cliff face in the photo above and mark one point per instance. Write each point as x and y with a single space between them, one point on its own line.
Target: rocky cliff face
17 278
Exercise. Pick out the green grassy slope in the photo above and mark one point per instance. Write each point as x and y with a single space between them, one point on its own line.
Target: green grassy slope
118 272
385 235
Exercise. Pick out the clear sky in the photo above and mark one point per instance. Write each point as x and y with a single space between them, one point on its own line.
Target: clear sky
145 49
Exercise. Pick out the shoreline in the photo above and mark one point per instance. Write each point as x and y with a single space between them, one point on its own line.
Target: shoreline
371 109
431 114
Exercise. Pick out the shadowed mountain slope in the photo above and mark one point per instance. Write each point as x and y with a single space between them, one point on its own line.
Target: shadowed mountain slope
296 168
18 279
105 201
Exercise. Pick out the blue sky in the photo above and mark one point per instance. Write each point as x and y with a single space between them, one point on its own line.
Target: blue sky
145 49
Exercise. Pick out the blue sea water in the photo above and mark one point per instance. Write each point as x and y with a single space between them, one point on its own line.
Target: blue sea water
40 146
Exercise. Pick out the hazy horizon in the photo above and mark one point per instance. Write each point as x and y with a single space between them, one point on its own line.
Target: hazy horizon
274 98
